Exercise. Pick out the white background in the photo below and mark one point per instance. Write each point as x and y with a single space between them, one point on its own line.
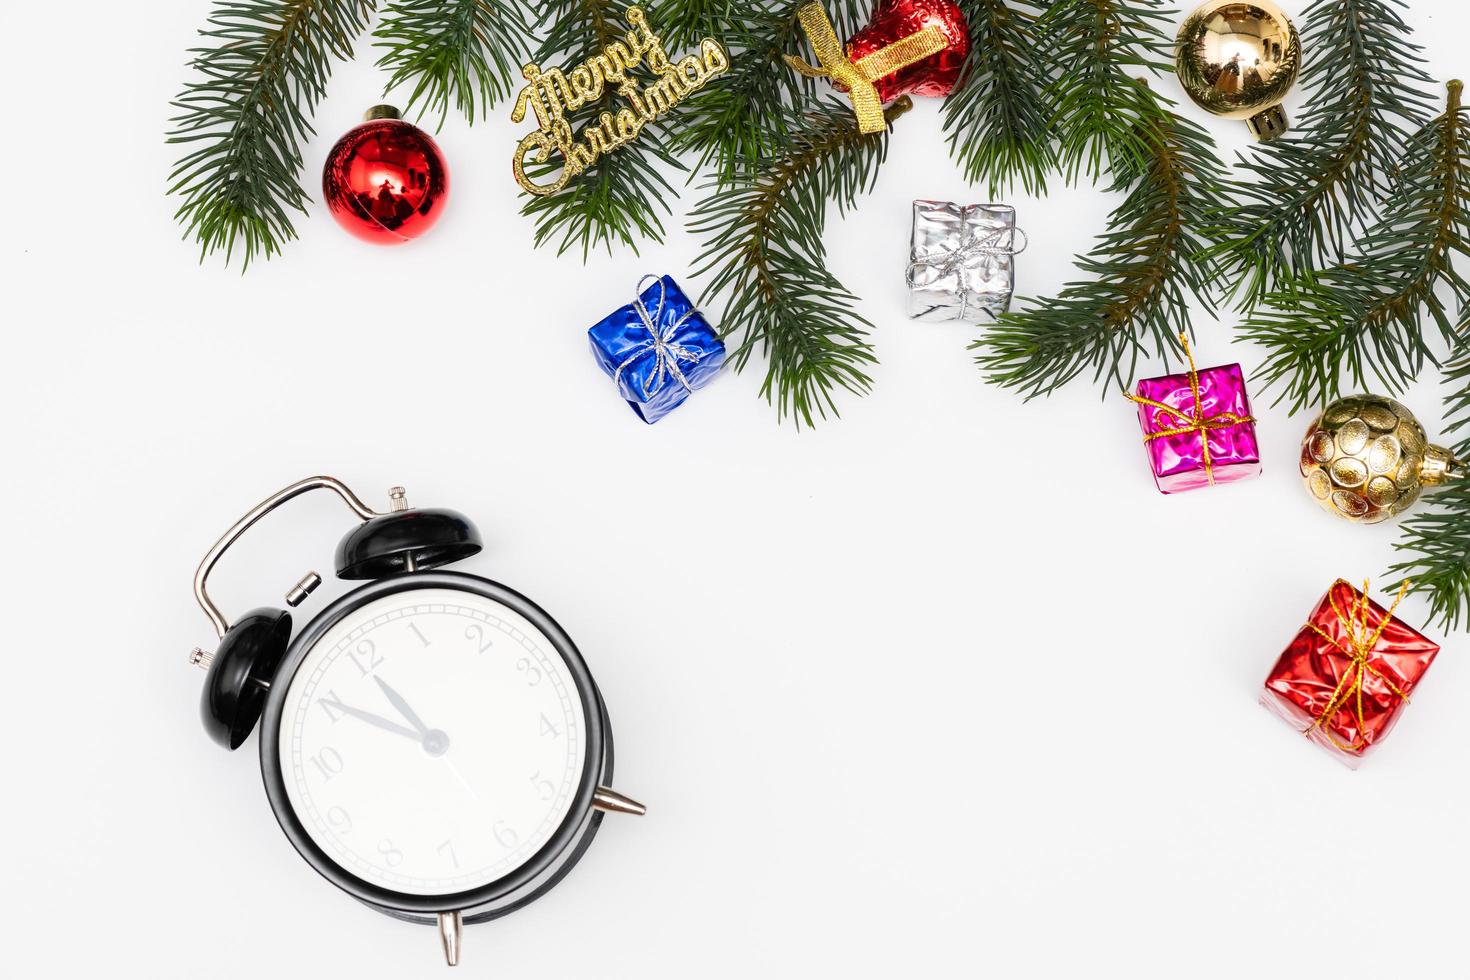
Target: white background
944 688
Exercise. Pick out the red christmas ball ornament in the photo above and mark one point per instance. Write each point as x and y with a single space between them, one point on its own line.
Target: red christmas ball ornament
386 180
894 20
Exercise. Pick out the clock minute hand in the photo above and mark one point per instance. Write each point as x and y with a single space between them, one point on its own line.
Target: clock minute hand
396 699
377 721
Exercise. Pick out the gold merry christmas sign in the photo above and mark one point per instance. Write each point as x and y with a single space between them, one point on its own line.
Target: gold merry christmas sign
553 94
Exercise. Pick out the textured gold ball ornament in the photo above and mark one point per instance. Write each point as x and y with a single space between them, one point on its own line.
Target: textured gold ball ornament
1366 458
1239 60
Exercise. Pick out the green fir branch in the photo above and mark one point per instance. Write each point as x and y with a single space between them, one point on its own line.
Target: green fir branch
763 246
1304 194
1139 275
1366 319
997 118
465 52
619 199
243 120
1102 119
1437 541
742 118
684 23
848 16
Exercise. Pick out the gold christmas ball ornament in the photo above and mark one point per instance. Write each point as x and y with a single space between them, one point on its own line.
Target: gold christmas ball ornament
1366 458
1238 60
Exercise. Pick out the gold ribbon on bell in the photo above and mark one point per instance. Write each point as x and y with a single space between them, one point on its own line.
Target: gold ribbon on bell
858 76
1359 645
1198 422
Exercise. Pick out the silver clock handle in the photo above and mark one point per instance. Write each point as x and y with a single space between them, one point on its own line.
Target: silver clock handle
201 575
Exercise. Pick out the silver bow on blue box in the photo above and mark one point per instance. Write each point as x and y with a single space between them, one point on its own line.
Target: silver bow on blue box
658 348
962 260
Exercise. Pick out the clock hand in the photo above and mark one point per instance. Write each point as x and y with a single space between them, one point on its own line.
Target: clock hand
434 742
396 699
378 721
454 770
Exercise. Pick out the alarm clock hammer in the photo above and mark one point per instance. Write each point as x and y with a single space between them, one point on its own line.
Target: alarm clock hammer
432 742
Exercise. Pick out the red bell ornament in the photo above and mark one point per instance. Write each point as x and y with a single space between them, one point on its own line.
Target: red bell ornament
386 181
894 20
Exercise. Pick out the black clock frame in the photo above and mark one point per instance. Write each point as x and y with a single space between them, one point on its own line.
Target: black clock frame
576 830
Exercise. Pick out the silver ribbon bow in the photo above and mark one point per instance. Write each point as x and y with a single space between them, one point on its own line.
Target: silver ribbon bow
666 353
957 260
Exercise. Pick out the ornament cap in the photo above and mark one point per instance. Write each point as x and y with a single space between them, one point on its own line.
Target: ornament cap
1268 123
1440 466
384 111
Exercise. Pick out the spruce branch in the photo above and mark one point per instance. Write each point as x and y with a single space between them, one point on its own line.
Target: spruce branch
1304 194
465 52
243 120
742 118
763 246
848 16
1366 319
997 118
1102 118
684 23
1139 274
619 198
1437 541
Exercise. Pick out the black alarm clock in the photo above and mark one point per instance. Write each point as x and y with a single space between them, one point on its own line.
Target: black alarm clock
432 743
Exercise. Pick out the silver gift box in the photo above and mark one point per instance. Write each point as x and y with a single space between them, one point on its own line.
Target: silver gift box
962 260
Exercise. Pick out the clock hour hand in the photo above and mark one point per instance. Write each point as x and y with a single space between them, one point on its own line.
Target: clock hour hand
396 699
433 741
377 721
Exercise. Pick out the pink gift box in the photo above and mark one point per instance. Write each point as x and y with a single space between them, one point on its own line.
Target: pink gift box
1177 434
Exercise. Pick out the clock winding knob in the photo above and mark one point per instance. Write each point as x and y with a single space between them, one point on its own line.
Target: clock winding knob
302 589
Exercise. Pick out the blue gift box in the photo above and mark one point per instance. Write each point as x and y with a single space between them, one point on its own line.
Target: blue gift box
658 348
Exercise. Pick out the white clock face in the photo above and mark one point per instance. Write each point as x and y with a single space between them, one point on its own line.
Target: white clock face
432 741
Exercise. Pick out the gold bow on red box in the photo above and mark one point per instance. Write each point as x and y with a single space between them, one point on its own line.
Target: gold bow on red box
858 76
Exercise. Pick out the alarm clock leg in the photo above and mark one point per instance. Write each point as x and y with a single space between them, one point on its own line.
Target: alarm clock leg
611 801
451 932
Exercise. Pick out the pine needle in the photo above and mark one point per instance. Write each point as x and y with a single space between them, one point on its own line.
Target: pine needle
244 119
1438 540
1103 120
1304 194
465 52
997 118
743 117
1366 319
763 235
1138 275
684 23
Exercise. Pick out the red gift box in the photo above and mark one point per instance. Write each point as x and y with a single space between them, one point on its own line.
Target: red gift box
1347 675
